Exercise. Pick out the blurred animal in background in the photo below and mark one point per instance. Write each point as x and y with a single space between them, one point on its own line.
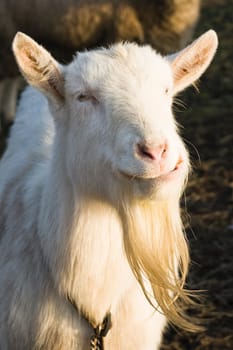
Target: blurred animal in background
65 26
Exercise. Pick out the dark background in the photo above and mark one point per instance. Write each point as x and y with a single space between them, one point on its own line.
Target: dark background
208 124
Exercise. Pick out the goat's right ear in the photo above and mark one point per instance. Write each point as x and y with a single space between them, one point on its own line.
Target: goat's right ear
38 67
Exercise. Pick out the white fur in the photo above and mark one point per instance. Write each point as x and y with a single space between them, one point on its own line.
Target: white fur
61 181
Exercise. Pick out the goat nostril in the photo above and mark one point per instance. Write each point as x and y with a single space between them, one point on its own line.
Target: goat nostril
164 150
152 153
144 152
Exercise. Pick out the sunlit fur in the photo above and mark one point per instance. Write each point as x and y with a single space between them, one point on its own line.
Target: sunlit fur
155 245
84 216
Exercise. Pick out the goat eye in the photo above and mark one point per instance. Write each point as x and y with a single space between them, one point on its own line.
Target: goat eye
83 97
166 91
87 97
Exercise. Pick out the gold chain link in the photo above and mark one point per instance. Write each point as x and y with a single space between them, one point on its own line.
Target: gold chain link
101 330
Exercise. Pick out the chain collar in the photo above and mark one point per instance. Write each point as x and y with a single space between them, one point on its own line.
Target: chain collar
96 341
100 332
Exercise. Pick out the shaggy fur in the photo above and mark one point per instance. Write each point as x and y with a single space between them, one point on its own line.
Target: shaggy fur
90 186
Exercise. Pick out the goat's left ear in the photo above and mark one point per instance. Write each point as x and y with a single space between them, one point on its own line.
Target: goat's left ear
189 64
38 67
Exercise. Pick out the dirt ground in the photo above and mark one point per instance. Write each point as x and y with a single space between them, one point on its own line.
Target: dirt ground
208 129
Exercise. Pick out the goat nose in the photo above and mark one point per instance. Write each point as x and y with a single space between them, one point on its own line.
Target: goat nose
154 153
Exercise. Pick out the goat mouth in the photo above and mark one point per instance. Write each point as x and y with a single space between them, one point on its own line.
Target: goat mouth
150 177
174 172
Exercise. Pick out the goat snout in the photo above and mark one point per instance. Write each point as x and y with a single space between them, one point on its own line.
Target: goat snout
155 153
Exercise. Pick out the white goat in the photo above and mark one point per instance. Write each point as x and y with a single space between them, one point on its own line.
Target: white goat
90 187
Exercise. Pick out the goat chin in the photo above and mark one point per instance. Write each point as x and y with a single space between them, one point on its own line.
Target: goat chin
159 189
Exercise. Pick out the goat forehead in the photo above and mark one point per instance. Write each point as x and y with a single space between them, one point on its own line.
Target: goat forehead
124 66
